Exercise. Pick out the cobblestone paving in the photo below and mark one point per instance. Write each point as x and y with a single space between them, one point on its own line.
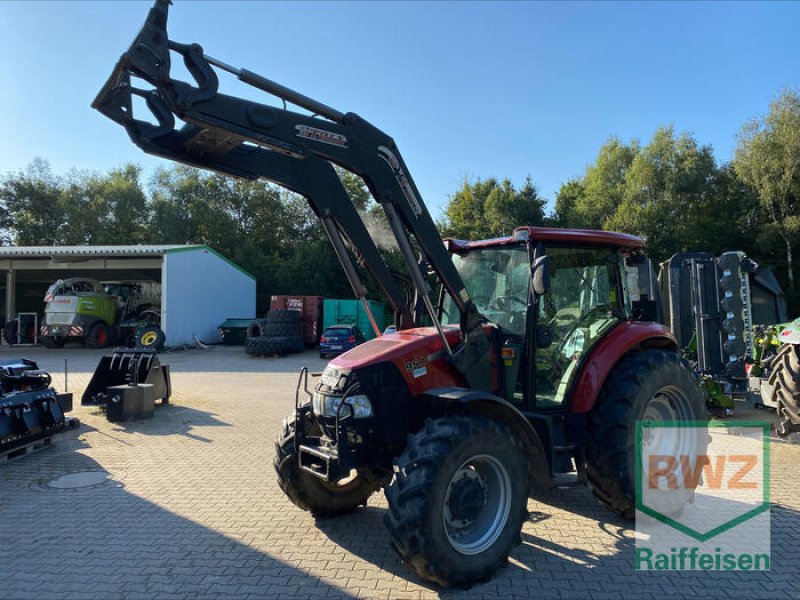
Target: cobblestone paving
192 510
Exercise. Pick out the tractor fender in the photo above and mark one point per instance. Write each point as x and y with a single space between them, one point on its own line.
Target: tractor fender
464 401
626 337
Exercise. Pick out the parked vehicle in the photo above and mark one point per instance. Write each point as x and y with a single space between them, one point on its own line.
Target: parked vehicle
536 362
83 309
339 339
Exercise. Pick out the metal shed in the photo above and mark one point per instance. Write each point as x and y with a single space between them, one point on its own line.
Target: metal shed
199 287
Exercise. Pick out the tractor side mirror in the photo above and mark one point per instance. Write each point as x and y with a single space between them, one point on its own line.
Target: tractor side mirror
540 275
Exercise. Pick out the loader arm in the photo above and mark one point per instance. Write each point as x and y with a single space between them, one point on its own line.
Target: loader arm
247 139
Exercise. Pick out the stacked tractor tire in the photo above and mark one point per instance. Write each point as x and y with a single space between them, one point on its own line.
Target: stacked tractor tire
277 335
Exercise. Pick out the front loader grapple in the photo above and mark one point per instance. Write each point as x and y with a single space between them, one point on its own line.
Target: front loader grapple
30 409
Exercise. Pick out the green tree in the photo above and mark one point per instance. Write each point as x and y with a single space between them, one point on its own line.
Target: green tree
605 183
34 213
106 209
666 187
568 198
767 158
489 208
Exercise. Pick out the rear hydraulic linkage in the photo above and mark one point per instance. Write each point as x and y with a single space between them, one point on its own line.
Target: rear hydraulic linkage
246 139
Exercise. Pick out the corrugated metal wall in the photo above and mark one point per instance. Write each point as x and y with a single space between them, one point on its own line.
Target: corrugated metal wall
200 291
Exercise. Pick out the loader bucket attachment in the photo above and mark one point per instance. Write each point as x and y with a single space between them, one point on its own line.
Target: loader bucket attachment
128 366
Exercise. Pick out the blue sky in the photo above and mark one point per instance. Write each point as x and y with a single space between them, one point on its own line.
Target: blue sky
476 89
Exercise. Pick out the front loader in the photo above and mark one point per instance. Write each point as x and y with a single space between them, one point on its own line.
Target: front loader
532 359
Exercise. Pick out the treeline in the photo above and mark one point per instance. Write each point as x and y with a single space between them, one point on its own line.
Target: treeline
670 190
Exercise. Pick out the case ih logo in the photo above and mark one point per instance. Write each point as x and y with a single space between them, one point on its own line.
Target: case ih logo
702 496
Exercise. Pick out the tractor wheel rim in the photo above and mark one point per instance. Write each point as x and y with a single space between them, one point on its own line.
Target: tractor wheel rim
670 404
477 504
149 338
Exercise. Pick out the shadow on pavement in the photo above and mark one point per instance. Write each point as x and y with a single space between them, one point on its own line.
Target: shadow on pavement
104 542
172 420
558 558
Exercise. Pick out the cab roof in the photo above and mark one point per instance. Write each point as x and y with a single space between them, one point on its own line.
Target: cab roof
554 235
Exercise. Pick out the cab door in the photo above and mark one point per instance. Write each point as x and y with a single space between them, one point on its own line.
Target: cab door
582 303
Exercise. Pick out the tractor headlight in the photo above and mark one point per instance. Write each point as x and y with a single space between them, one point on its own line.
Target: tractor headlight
362 407
328 406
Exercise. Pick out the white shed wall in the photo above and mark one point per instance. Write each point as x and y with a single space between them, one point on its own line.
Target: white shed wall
199 291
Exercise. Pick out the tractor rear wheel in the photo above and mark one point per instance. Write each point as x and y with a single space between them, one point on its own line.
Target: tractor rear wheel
651 385
311 493
785 376
458 500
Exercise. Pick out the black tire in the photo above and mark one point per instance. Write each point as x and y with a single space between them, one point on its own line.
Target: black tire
458 458
295 344
273 346
100 335
267 346
251 347
291 317
149 315
256 328
10 332
151 337
785 377
652 385
27 332
54 341
281 329
320 498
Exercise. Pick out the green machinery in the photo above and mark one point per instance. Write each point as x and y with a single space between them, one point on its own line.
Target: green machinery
83 309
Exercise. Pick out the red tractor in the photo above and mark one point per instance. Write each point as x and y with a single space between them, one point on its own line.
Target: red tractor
537 356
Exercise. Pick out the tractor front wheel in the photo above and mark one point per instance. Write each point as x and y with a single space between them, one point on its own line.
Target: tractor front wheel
652 386
458 500
309 492
100 335
785 377
150 337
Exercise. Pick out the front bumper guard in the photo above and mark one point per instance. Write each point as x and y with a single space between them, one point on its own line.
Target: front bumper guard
328 462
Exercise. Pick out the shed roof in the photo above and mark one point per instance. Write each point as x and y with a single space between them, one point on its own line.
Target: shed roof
95 251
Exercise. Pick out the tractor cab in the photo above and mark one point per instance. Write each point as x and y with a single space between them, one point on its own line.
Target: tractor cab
546 337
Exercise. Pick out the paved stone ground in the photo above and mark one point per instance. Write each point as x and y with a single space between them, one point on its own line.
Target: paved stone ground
192 510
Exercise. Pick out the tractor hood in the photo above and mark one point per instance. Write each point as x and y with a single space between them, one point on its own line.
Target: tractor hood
419 354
